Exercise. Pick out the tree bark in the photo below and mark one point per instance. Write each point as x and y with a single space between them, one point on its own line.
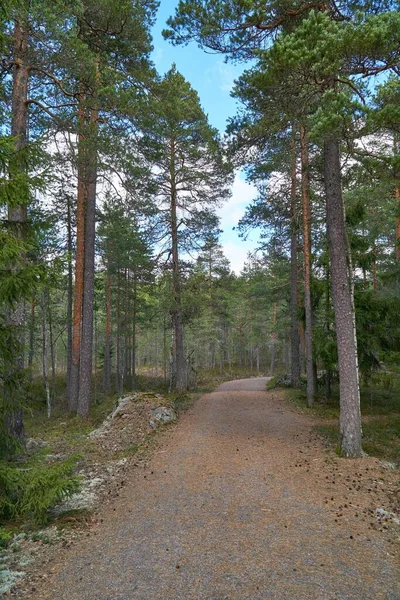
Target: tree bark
86 355
107 344
31 338
118 337
69 298
52 348
294 328
79 264
44 354
274 340
397 199
134 317
17 215
305 194
350 413
179 381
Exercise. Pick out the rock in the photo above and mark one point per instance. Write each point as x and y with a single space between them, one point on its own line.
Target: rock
33 445
162 415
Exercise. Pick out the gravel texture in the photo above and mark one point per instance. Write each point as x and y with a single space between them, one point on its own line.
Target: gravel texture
240 501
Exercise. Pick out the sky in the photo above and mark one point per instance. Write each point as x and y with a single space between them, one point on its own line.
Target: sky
213 79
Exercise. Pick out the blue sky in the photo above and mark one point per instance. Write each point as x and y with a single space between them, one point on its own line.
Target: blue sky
213 80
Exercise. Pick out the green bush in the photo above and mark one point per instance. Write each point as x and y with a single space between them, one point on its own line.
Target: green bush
28 493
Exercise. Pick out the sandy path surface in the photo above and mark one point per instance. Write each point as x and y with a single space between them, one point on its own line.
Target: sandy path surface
236 503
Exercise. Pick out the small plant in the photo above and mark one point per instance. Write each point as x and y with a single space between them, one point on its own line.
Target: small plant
5 537
28 493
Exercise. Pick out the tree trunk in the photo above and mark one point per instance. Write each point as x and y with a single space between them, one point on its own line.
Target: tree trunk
397 198
17 215
294 330
86 358
44 354
69 298
31 338
350 414
73 386
274 340
134 316
52 348
180 380
305 194
107 344
118 336
374 271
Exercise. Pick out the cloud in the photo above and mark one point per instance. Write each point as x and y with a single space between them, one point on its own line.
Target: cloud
235 248
223 75
233 210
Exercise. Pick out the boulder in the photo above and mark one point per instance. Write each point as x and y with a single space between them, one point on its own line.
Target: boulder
162 415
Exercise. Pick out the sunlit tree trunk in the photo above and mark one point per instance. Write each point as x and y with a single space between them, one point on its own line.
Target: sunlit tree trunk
350 413
17 214
294 328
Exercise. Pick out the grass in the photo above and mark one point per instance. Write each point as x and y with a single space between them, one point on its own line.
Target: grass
380 408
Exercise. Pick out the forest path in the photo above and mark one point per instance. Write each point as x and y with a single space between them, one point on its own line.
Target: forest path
237 502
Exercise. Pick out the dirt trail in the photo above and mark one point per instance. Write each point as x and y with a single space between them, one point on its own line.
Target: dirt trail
238 502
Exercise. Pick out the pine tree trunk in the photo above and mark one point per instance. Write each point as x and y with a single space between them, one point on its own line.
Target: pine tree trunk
69 298
73 386
397 199
274 340
294 330
86 357
17 215
118 336
180 380
107 344
134 316
31 338
52 348
305 194
44 354
350 414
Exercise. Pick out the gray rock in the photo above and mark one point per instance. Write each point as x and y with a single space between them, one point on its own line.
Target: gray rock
33 445
162 415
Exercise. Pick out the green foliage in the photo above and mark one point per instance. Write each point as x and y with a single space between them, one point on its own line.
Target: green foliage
28 493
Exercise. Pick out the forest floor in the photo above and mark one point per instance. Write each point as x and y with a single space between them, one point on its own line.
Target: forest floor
240 500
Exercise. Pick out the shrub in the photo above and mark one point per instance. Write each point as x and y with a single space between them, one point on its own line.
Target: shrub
28 493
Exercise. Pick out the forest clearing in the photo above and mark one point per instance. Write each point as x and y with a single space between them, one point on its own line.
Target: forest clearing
145 147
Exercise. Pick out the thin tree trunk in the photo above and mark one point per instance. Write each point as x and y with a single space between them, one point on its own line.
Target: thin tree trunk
305 194
397 199
374 271
274 340
294 330
31 337
350 413
134 316
118 335
107 344
52 349
44 354
69 298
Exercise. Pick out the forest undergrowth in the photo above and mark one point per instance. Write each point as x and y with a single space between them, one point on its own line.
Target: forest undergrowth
380 409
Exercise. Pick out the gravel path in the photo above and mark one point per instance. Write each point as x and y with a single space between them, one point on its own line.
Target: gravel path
234 504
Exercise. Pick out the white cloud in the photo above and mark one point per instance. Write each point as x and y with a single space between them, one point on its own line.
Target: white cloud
236 252
233 210
223 75
236 249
